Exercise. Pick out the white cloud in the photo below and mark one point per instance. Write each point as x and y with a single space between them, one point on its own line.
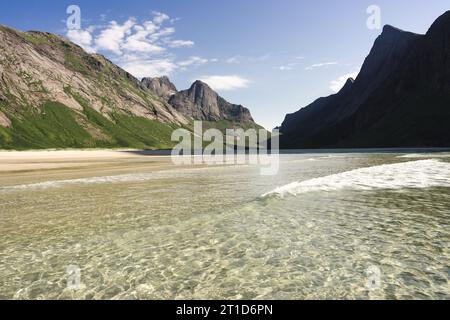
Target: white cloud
292 65
138 42
320 65
232 60
143 48
241 58
180 43
226 83
163 33
141 68
260 58
150 27
288 67
83 38
131 36
338 84
160 17
193 61
111 38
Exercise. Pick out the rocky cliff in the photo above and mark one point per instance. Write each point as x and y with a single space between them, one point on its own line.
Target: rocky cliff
202 103
161 86
401 98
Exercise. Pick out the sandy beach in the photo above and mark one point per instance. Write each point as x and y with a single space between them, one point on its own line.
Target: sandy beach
16 161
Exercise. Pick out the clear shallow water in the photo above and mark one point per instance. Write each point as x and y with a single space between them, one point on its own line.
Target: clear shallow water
312 231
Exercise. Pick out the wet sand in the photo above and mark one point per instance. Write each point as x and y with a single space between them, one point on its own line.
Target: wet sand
34 166
15 161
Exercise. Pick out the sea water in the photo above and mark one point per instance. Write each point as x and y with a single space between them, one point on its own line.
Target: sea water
328 226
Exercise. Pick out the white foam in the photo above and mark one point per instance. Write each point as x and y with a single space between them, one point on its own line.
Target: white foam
425 155
414 174
93 180
135 177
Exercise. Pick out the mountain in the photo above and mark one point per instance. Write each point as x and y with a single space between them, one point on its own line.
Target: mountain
55 95
401 98
160 86
202 103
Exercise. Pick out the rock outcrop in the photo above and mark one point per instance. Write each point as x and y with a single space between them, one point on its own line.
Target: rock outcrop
200 102
160 86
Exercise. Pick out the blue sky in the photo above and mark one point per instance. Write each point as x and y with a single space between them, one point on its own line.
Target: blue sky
273 56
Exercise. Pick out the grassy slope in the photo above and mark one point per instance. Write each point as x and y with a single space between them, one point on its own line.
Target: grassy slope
57 127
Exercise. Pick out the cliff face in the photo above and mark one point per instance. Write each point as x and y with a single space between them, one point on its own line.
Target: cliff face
200 102
160 86
401 98
55 95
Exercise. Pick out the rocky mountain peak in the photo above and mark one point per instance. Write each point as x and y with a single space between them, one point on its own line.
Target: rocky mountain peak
390 45
200 84
391 30
439 34
348 85
441 25
201 102
161 86
390 36
202 93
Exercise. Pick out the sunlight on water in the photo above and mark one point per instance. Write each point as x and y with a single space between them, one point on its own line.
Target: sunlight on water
206 233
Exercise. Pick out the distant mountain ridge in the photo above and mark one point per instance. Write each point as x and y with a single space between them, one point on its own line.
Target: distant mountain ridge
401 98
202 103
199 102
55 95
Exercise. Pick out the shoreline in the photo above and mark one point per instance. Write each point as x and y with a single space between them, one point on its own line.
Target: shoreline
367 150
51 159
35 160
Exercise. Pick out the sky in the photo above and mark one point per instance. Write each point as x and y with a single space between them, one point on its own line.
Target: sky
273 56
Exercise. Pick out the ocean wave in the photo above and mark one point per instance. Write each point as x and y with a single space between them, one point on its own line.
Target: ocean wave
414 174
424 155
93 180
